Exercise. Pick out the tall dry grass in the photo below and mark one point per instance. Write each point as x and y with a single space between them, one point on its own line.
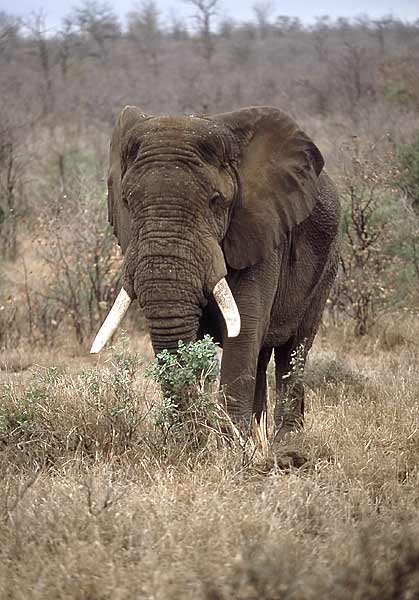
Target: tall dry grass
94 505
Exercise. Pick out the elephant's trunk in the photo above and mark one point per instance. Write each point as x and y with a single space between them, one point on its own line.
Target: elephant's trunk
165 333
168 281
174 275
171 268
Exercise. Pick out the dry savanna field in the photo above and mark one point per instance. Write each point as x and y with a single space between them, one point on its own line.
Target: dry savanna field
99 502
104 495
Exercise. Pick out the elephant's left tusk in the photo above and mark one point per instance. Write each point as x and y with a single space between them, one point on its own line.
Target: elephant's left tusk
228 307
112 321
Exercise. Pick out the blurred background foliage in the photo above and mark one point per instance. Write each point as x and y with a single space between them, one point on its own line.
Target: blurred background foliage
352 84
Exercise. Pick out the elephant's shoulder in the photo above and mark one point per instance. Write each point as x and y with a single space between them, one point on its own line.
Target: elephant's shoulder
328 194
327 209
323 225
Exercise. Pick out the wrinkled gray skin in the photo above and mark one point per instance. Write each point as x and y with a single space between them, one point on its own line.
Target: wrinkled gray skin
241 195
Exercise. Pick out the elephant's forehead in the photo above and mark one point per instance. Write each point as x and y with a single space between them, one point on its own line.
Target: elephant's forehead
203 135
182 126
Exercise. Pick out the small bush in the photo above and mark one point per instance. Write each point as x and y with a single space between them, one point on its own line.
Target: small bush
395 331
187 378
328 369
57 417
364 287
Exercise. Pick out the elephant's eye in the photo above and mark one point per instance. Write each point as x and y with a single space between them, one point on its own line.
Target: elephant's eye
216 201
132 149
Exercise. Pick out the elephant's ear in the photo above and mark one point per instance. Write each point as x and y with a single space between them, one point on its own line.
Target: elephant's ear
118 214
278 168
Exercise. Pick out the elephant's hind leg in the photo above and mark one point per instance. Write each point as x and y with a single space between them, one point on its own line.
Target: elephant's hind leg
260 399
289 366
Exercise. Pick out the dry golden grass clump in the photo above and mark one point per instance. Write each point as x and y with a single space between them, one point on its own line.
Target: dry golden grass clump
102 498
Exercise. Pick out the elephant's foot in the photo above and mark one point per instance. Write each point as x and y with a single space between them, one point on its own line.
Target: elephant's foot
288 426
235 432
287 454
289 416
238 421
281 458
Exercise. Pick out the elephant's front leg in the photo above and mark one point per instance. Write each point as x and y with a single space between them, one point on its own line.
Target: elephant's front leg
238 376
240 356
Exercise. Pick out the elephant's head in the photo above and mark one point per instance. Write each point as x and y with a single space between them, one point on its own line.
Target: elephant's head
193 197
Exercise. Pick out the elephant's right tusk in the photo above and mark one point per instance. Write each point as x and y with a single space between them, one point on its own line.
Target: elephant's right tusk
228 307
112 321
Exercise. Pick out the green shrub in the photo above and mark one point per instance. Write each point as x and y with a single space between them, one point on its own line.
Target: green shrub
186 377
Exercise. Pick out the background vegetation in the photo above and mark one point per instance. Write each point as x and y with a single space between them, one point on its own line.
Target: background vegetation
102 493
352 85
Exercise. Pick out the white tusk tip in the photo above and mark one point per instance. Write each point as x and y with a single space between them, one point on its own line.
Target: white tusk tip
115 316
95 349
228 307
233 330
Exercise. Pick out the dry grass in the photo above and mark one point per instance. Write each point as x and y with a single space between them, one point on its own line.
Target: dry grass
95 504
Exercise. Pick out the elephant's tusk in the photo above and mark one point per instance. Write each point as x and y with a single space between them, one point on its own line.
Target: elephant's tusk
228 307
112 321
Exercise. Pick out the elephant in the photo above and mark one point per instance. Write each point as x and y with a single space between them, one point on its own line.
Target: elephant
229 226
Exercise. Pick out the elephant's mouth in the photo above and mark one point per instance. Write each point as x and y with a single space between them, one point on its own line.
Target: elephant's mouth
222 295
